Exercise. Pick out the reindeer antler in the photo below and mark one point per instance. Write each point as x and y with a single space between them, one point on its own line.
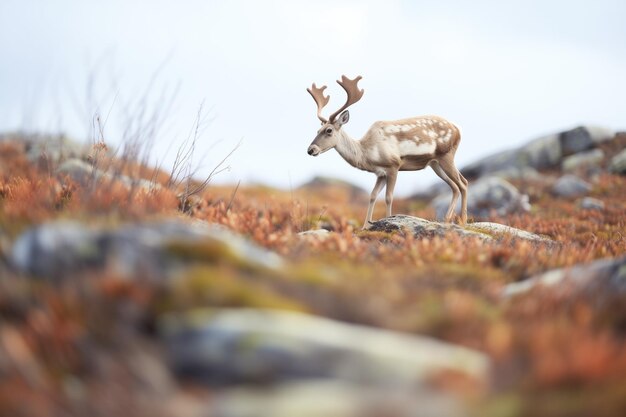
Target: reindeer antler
354 94
320 100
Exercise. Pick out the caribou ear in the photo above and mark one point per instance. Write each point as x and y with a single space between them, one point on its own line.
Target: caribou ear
343 118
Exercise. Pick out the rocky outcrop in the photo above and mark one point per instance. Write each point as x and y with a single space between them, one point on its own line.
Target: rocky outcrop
486 197
232 346
60 249
542 153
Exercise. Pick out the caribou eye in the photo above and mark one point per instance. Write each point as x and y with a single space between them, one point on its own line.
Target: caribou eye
329 131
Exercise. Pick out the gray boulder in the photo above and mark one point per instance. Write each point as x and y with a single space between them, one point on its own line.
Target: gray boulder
604 277
583 160
590 203
570 186
618 163
232 346
541 153
487 196
493 163
60 249
583 138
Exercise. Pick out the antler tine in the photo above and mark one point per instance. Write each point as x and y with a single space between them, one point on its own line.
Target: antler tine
354 94
320 100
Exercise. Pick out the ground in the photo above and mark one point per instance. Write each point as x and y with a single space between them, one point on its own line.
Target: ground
553 356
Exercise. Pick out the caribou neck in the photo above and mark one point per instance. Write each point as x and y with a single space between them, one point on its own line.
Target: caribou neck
350 150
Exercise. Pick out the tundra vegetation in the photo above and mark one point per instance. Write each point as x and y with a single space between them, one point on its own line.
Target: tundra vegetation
87 338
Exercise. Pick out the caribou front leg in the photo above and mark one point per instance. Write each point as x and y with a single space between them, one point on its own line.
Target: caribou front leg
380 182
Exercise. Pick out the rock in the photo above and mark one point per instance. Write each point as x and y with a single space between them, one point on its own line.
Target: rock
583 160
55 248
80 171
53 149
317 233
503 230
59 249
422 228
590 203
570 186
493 163
607 276
544 152
583 138
85 174
487 196
324 398
518 173
541 153
231 346
618 163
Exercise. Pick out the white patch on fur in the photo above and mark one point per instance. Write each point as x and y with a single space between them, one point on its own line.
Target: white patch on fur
373 154
409 147
431 134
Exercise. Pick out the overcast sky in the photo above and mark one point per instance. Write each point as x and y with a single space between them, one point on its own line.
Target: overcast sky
504 71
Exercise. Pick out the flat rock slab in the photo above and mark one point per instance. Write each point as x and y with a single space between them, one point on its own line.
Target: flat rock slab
606 276
328 398
497 229
232 346
422 228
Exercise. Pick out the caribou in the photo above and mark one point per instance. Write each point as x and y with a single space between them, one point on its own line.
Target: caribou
391 146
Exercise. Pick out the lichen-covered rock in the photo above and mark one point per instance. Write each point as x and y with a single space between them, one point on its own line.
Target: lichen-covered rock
486 197
607 276
60 249
618 163
422 228
232 346
570 186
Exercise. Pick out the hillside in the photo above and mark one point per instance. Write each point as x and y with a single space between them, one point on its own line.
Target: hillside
120 297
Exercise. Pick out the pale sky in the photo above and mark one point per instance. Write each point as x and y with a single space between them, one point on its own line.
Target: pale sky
505 72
